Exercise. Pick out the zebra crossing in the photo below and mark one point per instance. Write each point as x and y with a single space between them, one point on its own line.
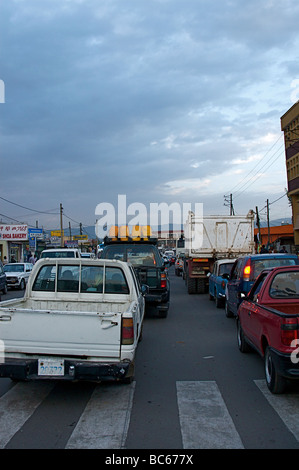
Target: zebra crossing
104 423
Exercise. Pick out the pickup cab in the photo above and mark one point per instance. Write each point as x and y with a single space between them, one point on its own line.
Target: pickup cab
268 321
149 268
80 319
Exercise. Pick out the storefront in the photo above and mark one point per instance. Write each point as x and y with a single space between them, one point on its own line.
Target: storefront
13 240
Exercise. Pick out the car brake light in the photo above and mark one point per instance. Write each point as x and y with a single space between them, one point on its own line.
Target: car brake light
247 271
163 280
127 336
289 330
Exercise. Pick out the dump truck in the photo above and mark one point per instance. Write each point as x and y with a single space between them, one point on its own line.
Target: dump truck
208 238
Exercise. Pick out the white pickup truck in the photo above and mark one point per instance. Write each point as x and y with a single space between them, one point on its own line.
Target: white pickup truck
80 319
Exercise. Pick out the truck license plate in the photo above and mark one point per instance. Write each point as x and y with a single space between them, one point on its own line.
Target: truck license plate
51 367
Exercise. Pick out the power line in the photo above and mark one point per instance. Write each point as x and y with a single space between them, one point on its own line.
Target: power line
258 164
257 175
29 209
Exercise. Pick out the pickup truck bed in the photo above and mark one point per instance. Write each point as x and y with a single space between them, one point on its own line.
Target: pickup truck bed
93 334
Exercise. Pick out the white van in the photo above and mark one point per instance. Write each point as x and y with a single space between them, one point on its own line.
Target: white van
61 253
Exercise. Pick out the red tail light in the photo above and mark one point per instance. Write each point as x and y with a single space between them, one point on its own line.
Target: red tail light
127 336
163 281
289 330
247 271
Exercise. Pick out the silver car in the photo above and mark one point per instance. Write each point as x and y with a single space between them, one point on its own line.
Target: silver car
17 274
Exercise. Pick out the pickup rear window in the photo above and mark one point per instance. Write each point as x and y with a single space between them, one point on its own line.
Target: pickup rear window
285 285
259 266
93 279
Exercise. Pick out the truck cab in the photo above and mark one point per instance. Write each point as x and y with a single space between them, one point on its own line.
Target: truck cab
140 249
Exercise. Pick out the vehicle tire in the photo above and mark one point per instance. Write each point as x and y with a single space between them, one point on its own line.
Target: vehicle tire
131 374
228 312
141 334
191 285
218 302
242 343
275 382
23 284
201 286
4 291
162 312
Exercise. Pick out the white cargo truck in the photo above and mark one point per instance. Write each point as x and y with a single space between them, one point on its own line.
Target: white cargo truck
80 319
208 238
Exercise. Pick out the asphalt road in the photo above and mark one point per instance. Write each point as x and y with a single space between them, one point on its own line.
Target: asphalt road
193 389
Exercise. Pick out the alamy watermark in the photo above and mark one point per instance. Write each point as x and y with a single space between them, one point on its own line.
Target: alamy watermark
2 92
161 215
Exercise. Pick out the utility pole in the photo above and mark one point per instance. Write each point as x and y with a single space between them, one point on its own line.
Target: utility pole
258 224
70 231
268 222
61 227
228 202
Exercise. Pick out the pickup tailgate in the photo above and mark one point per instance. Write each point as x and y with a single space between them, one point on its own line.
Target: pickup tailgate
150 276
64 333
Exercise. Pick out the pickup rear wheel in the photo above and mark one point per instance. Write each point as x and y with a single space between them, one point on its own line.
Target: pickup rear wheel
228 312
275 382
242 343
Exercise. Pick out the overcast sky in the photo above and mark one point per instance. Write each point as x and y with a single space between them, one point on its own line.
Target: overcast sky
158 100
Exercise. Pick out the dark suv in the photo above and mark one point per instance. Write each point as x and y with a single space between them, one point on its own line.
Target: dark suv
150 269
244 272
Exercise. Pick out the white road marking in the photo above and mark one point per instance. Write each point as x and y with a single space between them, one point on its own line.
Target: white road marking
205 420
17 405
286 406
104 422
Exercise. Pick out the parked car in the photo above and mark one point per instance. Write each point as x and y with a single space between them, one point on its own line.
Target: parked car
3 280
17 274
179 264
218 280
245 271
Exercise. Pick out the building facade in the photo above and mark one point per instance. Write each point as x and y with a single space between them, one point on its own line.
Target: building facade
290 128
